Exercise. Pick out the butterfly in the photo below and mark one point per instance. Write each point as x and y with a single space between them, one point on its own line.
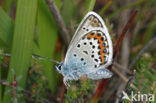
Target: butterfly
90 51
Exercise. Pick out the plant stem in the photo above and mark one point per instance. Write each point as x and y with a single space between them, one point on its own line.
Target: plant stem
59 21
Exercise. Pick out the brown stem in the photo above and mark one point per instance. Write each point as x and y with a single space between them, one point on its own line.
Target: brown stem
62 93
117 47
59 21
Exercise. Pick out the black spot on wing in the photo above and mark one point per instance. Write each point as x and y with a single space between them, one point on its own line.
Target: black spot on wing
93 46
78 45
75 55
90 43
82 59
92 56
96 60
85 52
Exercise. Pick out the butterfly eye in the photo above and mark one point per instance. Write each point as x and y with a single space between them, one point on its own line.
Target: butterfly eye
59 67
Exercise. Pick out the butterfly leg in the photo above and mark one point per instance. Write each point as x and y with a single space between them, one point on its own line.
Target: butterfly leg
99 74
65 80
69 77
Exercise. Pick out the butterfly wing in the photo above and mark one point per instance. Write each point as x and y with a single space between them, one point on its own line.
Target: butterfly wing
90 21
91 46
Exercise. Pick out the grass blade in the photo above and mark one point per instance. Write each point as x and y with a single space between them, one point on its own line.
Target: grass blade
67 13
91 5
6 28
7 4
118 11
0 85
105 7
47 37
154 92
22 41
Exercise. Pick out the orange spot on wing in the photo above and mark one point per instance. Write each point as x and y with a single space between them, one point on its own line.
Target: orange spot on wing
102 55
100 41
102 59
90 36
101 45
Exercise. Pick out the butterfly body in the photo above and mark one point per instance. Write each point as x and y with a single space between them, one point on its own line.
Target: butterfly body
90 51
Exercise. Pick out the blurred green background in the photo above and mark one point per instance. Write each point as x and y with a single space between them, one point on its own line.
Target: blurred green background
28 27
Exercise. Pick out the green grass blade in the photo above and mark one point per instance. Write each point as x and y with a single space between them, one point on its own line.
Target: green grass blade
6 28
137 3
22 42
105 7
154 92
47 37
150 30
7 4
67 13
91 5
0 85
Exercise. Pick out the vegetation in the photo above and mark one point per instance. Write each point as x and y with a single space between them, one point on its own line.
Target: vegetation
30 38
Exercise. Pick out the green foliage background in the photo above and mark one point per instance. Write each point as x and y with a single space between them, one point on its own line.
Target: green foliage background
27 27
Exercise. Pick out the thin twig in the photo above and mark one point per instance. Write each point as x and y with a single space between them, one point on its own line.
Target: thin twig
121 68
124 78
146 47
127 85
59 21
5 54
62 93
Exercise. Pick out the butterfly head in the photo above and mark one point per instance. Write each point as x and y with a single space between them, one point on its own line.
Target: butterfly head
59 68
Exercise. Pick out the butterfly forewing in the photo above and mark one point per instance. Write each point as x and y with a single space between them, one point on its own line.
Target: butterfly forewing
90 21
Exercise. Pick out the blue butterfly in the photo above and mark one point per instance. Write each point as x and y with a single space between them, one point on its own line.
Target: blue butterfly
90 51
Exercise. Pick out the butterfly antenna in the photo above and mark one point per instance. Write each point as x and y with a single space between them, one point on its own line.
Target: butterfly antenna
5 54
34 56
44 58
